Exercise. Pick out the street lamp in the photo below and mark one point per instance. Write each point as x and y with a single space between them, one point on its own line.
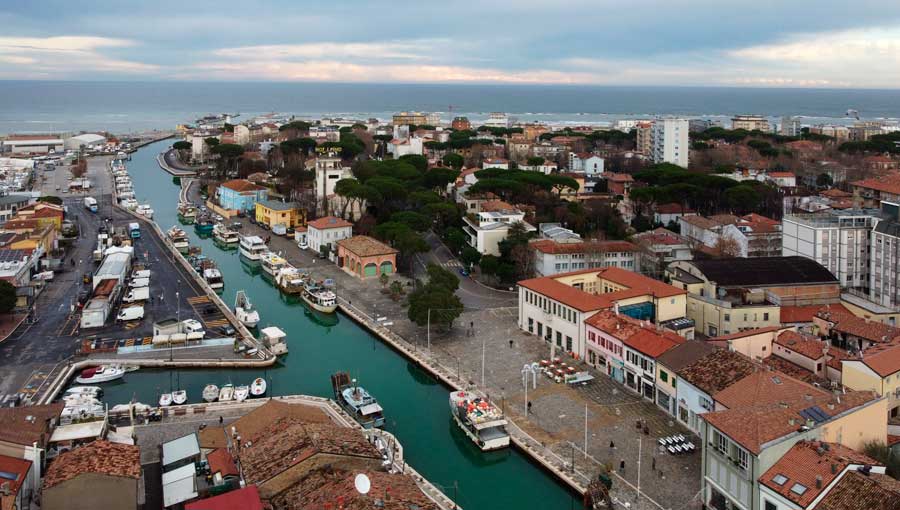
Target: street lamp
527 369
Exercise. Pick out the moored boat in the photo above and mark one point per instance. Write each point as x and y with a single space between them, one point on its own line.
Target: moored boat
275 339
187 213
204 224
356 401
210 393
179 397
145 210
318 296
252 247
94 391
480 420
179 239
101 374
244 310
214 278
241 393
290 280
226 394
258 387
272 262
224 235
165 400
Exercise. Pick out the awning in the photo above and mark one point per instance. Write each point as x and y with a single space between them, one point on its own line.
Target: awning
370 409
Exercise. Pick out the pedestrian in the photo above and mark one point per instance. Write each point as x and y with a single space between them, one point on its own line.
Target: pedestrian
162 298
529 407
653 463
510 343
221 419
612 445
622 466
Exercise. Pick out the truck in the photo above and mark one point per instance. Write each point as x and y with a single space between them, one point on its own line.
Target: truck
279 229
90 203
137 294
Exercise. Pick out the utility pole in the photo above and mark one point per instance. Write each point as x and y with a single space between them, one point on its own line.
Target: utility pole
482 360
428 330
585 430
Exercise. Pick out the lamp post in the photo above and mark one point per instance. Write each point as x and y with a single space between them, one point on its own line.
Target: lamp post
529 369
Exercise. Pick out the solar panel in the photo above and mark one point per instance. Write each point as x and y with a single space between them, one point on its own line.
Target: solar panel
8 476
815 414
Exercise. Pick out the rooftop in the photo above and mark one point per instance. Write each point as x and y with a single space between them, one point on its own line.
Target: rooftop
365 246
717 370
221 461
766 387
98 457
241 499
764 271
843 322
889 183
14 471
804 314
555 247
856 491
322 487
804 345
181 448
328 222
25 425
241 185
640 336
683 355
883 359
278 205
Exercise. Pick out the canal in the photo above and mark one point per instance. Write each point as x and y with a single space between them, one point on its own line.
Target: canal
416 405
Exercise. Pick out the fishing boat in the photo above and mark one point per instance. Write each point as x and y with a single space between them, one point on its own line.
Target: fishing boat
241 393
94 391
225 235
165 400
244 310
101 374
290 280
258 387
129 203
179 239
179 397
318 296
226 394
187 213
275 339
204 224
145 210
214 278
210 393
252 247
480 420
358 403
271 262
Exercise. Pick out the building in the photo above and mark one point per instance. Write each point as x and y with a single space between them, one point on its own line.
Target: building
667 366
500 163
669 140
659 248
584 162
31 144
751 235
750 123
100 474
329 170
878 370
18 486
321 488
670 213
460 124
365 257
884 259
240 195
553 257
618 184
836 239
790 126
853 333
323 234
731 295
555 307
407 118
246 498
10 204
275 212
488 227
703 378
644 140
499 120
869 193
782 179
84 141
42 212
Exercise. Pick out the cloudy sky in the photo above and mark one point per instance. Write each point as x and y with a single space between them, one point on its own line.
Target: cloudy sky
797 43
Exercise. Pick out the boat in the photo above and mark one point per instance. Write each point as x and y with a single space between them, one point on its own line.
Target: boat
179 239
226 394
80 400
187 213
290 280
480 420
101 374
252 247
137 407
129 203
258 387
275 339
210 393
145 210
244 310
165 400
130 368
241 393
204 224
82 412
358 403
94 391
319 297
214 278
271 262
179 397
225 235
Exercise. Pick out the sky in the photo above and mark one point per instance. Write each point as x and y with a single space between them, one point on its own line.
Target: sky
768 43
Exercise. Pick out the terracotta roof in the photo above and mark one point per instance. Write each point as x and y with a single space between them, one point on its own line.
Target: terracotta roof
781 174
887 183
766 387
717 370
241 499
554 247
221 461
637 281
25 425
860 327
619 177
653 343
804 314
803 345
99 457
660 236
212 437
323 488
636 284
365 246
884 360
569 296
753 426
241 185
836 193
814 465
683 355
251 424
855 491
496 206
836 355
745 333
328 222
794 370
673 208
700 222
17 467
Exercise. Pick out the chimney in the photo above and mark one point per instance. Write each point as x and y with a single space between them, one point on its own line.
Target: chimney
616 307
833 468
818 481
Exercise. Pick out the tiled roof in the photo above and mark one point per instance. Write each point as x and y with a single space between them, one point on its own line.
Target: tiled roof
887 183
17 467
803 345
745 333
241 499
251 424
753 426
25 425
365 246
700 222
640 336
212 437
794 370
781 174
884 360
220 461
683 355
717 370
551 246
673 208
637 281
496 206
660 236
856 491
278 205
323 488
569 296
836 193
814 465
766 387
99 457
804 314
241 185
860 327
653 343
636 284
328 222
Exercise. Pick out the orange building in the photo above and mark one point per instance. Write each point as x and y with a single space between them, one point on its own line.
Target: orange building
365 257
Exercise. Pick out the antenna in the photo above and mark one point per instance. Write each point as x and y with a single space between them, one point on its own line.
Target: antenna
362 483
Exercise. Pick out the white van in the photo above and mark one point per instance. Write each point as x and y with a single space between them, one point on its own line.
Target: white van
131 313
143 273
138 294
139 282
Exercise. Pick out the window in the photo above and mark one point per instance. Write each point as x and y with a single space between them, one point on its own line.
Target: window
779 479
743 458
727 317
770 506
721 443
663 376
765 316
798 489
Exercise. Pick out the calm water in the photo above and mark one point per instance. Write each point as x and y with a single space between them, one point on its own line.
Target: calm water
415 404
130 106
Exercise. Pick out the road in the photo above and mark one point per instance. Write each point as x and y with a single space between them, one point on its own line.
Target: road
176 164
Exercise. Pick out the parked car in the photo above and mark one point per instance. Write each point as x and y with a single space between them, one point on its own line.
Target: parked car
192 325
227 330
236 225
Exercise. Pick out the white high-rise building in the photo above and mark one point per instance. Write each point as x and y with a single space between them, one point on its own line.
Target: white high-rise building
669 138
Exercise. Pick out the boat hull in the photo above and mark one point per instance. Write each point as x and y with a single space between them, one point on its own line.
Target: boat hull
485 446
316 306
249 255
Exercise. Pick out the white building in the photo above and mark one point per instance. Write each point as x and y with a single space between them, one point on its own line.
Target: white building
20 144
84 140
498 119
790 126
329 170
585 162
491 225
884 280
669 139
241 134
500 163
324 233
554 257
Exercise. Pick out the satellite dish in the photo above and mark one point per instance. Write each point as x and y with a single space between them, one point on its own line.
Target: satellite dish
362 484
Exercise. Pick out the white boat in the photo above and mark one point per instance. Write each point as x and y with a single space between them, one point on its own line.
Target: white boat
179 239
226 394
94 391
101 374
272 262
258 387
225 235
244 310
290 279
480 420
275 339
187 213
73 414
144 210
252 247
318 296
81 400
129 203
179 397
214 278
210 393
138 408
358 402
241 393
165 400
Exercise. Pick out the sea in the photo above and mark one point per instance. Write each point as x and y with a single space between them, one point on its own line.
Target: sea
130 107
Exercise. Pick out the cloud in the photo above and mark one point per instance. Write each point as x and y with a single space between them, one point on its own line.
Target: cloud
410 50
62 55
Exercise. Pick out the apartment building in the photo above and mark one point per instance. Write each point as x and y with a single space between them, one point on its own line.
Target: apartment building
750 123
669 139
553 257
644 141
488 227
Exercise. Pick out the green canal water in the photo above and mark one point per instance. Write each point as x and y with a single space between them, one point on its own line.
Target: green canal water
416 405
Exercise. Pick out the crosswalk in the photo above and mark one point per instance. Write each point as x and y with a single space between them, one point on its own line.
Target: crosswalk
452 263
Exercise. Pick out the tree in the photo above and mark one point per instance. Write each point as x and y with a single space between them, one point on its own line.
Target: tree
489 265
211 141
456 239
439 276
181 145
438 178
7 296
743 198
453 160
469 256
416 221
79 168
884 454
416 160
535 161
727 247
434 305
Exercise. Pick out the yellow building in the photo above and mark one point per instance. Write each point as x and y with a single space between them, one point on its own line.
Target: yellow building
43 237
878 370
273 212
